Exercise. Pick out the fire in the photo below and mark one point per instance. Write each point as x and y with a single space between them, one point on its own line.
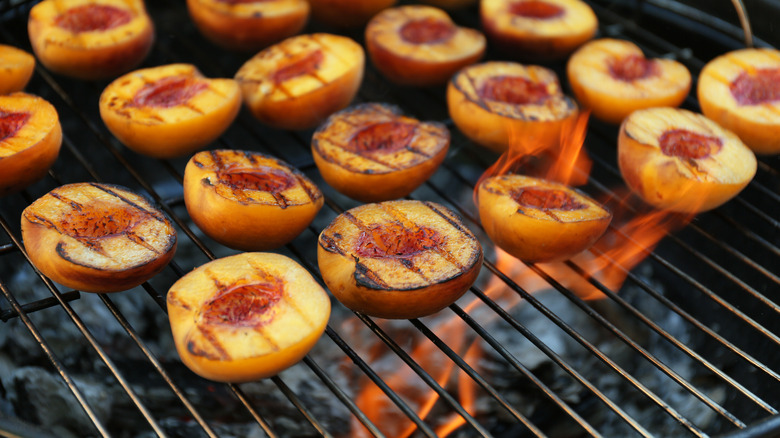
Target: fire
633 234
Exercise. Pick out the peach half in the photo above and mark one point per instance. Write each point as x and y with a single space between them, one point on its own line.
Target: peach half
297 83
398 259
681 161
248 25
496 104
347 13
246 317
16 69
90 39
30 140
538 30
420 45
248 201
170 110
537 220
613 78
372 152
97 237
741 91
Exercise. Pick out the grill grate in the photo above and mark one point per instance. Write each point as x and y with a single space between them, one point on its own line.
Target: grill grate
717 277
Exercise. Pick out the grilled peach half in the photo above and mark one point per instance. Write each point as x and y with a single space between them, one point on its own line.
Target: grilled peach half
297 83
741 91
678 160
420 45
30 140
372 152
248 25
246 317
537 220
170 110
398 259
248 201
537 30
16 69
613 78
90 39
496 104
97 237
347 13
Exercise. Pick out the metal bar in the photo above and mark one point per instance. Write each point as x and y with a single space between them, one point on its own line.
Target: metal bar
467 369
41 304
595 351
69 382
156 364
500 349
424 375
561 363
87 335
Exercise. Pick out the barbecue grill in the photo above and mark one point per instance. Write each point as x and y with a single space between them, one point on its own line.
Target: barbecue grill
689 345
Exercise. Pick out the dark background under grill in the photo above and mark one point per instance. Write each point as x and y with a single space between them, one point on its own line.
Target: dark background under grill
718 276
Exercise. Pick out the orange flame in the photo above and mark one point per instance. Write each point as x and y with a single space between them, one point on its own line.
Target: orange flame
568 163
633 234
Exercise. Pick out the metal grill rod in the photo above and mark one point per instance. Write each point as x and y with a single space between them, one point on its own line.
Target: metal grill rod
22 313
87 335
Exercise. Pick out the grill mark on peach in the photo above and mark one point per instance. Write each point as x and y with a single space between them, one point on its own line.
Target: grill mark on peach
473 96
329 244
461 230
368 278
438 247
173 298
212 339
139 240
313 195
261 272
106 188
355 168
168 91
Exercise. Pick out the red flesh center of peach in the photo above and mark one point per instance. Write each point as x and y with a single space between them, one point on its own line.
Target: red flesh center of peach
632 67
384 137
394 240
243 305
169 92
89 18
763 86
514 90
305 64
265 179
428 30
99 221
546 199
11 123
536 9
689 145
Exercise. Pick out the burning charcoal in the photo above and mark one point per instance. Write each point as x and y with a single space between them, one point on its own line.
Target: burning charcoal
43 398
